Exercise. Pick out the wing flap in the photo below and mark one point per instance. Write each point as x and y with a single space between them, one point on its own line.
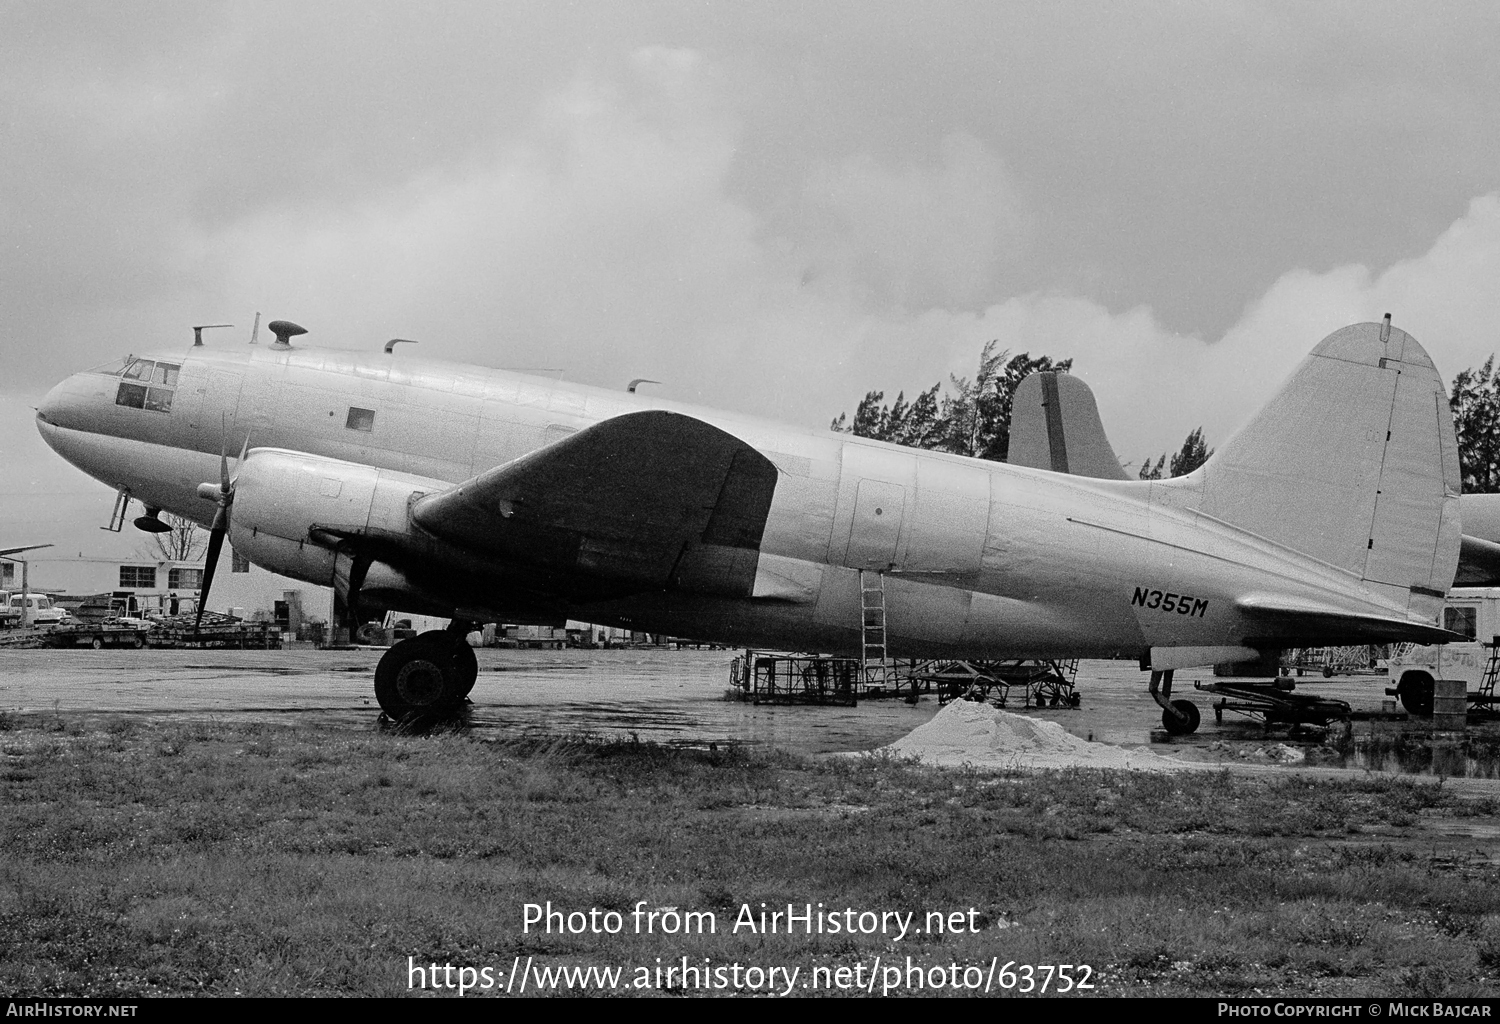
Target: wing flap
648 500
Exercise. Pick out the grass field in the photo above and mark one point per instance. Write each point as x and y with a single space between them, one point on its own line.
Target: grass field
183 858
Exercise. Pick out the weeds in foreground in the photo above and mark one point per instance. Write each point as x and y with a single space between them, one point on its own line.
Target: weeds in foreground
222 858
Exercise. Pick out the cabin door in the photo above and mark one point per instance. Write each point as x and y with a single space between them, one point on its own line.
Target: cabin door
876 528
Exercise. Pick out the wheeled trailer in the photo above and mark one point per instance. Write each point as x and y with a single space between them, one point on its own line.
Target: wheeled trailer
98 635
1273 701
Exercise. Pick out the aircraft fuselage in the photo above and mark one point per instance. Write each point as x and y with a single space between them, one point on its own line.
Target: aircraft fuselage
981 559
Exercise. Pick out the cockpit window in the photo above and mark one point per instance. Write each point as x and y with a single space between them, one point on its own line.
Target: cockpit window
132 395
155 390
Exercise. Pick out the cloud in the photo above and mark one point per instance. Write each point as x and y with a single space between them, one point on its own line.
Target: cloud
604 239
1154 386
917 237
606 235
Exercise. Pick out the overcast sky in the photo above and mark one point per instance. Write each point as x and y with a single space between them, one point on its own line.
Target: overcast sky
767 206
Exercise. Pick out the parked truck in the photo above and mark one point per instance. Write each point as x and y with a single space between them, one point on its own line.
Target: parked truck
38 609
1413 669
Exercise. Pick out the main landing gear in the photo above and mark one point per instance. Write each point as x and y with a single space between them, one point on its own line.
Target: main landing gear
431 672
1178 717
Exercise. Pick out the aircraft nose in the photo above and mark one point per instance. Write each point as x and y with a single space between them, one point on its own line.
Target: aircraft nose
51 408
67 404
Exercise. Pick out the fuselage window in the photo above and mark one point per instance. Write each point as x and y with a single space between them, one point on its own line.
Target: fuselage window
360 419
154 392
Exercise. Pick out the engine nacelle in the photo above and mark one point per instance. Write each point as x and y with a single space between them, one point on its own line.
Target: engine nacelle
287 504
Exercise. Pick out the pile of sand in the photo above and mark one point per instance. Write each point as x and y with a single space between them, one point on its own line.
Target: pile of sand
976 734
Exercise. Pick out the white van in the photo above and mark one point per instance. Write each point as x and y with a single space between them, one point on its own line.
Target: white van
1472 611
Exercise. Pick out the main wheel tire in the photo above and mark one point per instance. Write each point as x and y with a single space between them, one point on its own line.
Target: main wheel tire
415 676
467 665
96 643
1416 692
464 662
1184 725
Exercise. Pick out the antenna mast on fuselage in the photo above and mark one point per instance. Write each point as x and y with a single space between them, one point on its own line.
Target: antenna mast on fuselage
200 328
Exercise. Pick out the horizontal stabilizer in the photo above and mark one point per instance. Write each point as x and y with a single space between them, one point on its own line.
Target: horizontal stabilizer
645 501
1479 555
1299 623
1478 562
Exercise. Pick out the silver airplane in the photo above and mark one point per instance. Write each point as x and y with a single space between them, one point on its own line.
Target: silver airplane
483 495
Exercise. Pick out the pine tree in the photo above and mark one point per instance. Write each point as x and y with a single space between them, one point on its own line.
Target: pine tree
973 420
1194 453
1476 421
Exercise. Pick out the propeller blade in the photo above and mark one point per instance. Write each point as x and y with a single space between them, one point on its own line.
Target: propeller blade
210 563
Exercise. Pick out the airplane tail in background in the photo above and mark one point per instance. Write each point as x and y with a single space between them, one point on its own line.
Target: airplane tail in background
1353 462
1054 424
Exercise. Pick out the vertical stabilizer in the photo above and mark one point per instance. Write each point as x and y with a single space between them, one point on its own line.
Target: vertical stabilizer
1054 424
1354 462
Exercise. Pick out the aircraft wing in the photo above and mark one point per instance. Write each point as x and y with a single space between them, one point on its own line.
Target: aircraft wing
646 501
1293 623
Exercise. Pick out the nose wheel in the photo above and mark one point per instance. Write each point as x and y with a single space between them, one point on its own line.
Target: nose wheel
431 672
1178 717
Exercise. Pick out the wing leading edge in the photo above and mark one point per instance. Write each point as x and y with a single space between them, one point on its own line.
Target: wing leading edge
646 501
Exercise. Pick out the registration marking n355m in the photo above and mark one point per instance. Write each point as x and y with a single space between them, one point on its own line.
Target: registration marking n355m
1166 601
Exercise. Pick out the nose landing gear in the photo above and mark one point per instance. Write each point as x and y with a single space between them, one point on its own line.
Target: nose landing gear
1178 717
431 672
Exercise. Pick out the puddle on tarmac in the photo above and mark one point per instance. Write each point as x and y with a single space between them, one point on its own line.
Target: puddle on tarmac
1417 751
670 697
